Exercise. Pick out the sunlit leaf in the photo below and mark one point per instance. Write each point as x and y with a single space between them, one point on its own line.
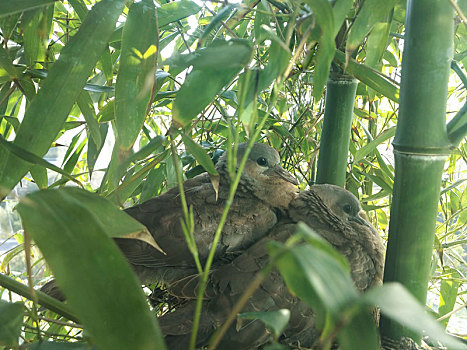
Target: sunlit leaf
11 320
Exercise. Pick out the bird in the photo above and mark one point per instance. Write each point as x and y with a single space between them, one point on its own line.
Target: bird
336 215
263 194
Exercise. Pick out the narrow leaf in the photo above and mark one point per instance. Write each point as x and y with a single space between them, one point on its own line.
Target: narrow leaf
199 153
370 146
370 77
209 76
176 10
372 12
136 74
48 111
10 7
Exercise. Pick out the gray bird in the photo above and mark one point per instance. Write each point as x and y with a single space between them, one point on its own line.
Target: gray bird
333 213
264 192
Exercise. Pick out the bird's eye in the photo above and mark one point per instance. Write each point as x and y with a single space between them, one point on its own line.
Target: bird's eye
262 161
347 208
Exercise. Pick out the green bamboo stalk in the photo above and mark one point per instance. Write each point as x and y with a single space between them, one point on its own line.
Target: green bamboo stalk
42 298
421 146
335 137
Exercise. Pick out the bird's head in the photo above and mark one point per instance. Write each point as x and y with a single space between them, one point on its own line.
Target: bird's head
264 176
342 203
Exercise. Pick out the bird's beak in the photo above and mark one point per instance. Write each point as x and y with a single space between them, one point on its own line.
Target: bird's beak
282 173
360 218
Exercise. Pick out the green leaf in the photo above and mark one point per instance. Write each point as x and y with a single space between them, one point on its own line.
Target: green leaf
34 38
200 154
371 146
31 158
11 320
370 77
10 7
448 293
213 68
398 304
47 112
274 320
340 10
136 75
39 174
72 227
372 12
176 10
359 332
323 15
315 276
86 106
80 8
7 64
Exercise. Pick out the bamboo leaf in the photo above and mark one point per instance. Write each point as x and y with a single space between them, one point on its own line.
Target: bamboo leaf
86 106
200 154
372 12
370 146
48 111
274 320
322 11
176 10
340 10
32 158
34 44
370 77
70 226
7 64
136 74
398 304
448 293
11 320
213 68
10 7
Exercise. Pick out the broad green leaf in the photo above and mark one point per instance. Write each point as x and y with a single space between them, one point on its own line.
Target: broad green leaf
136 75
10 7
176 10
213 68
372 12
11 320
274 320
200 154
315 276
107 113
374 79
377 43
48 111
323 15
397 303
371 146
71 228
448 293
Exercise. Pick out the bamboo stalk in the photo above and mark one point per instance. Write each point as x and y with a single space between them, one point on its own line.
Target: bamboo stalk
335 137
421 146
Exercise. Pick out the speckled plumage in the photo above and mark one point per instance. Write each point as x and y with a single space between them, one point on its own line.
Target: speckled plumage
332 212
